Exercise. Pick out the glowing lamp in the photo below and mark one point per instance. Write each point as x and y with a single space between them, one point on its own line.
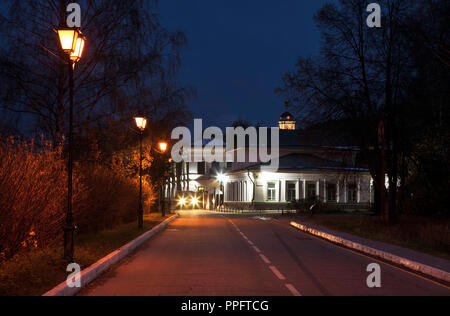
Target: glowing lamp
141 123
182 201
221 177
77 53
194 201
68 39
163 146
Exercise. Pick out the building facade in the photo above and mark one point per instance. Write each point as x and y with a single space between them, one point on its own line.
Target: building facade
309 169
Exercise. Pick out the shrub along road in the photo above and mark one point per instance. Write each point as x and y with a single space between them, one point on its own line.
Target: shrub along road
213 255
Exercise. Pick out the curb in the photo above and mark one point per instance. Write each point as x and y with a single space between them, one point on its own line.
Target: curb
94 271
409 264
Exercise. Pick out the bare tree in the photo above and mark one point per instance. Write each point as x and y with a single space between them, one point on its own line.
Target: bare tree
130 64
361 76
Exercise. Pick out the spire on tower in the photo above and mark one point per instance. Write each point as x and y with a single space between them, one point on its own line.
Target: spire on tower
287 120
286 104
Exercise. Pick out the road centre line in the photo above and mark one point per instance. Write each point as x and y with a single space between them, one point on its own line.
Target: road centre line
274 269
264 258
277 273
293 290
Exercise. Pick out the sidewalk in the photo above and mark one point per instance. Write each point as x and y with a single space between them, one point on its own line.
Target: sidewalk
409 254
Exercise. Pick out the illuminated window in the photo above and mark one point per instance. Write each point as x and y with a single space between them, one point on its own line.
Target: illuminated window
271 192
287 125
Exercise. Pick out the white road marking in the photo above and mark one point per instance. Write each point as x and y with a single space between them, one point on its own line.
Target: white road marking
293 290
277 273
264 258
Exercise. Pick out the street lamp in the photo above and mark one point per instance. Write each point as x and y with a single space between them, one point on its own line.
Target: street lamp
195 201
77 53
72 43
68 38
221 177
141 123
163 146
182 202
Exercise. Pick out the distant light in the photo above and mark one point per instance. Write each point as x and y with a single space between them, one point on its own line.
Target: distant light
163 146
221 177
182 201
194 201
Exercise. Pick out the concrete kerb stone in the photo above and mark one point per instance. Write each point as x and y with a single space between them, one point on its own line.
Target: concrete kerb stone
90 274
409 264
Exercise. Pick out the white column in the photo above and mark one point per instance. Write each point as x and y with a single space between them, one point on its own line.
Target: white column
225 192
244 199
297 190
325 191
240 191
345 192
247 197
318 189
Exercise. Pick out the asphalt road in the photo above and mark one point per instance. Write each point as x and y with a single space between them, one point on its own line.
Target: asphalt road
213 255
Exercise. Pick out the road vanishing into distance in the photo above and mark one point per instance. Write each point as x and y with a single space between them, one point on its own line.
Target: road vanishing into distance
213 255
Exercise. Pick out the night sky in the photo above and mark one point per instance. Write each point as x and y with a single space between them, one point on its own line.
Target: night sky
238 51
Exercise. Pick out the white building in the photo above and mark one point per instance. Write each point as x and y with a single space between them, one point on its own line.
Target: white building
311 166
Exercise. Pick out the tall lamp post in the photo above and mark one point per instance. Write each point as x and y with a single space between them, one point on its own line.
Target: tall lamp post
163 146
72 43
141 123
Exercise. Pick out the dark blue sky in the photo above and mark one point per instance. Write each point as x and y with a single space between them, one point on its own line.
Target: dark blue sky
238 51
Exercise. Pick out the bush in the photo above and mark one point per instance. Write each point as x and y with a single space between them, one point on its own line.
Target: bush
33 196
109 198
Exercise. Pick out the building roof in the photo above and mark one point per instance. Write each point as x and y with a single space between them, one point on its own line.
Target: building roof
335 135
307 162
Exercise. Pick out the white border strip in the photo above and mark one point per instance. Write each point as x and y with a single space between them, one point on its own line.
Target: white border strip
90 274
415 266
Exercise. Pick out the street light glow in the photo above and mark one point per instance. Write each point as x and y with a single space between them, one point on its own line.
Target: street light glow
221 177
182 201
163 146
77 53
68 39
141 123
194 201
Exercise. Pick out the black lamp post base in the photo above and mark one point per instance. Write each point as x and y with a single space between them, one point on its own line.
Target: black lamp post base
69 235
141 219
